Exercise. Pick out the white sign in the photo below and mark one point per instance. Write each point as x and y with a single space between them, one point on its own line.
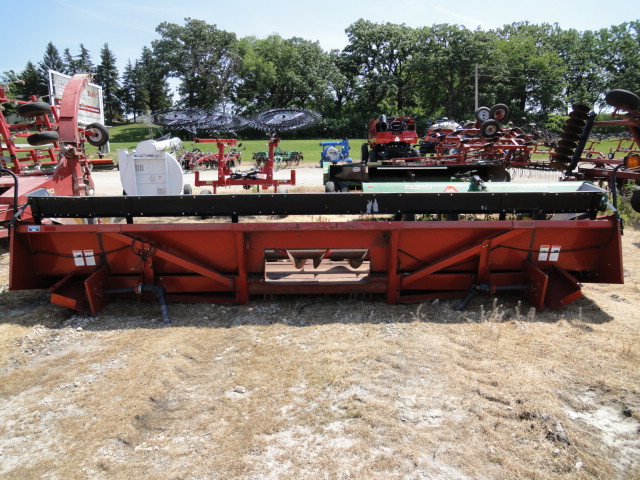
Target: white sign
91 107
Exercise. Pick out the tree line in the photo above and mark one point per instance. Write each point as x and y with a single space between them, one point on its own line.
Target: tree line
428 72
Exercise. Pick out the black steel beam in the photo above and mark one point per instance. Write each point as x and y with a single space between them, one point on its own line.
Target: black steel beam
587 201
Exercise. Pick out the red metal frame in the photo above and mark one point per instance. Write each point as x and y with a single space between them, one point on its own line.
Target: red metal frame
71 174
84 266
264 178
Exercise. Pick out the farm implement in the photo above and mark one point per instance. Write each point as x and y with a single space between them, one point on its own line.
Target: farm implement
270 121
197 160
332 155
53 159
571 158
541 242
394 152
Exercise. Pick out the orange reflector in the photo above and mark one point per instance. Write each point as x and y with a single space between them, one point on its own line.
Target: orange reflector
632 161
450 188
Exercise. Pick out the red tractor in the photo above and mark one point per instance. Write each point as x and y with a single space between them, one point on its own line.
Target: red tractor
390 138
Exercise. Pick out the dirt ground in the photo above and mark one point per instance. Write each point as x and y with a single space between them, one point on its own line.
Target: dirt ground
325 387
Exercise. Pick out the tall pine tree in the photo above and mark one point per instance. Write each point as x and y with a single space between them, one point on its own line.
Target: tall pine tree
50 61
107 77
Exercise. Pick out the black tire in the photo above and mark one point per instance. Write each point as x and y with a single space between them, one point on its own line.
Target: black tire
499 112
490 128
372 155
483 114
635 200
497 174
344 188
187 190
42 138
330 187
33 109
97 134
623 99
364 152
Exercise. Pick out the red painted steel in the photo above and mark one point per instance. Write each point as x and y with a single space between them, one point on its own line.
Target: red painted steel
69 172
263 178
85 266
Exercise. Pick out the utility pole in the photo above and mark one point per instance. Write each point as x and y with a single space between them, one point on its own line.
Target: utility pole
476 86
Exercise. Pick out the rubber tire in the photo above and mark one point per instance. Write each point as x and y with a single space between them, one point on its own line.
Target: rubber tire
329 187
42 138
490 128
344 189
499 112
100 134
623 99
483 114
33 109
364 152
187 190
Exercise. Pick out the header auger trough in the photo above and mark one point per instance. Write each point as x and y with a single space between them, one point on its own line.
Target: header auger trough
542 243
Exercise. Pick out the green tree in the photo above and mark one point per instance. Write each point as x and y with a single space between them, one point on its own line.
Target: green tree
135 97
385 56
107 77
620 53
205 59
24 84
83 61
529 58
154 78
447 55
70 62
279 72
50 61
584 76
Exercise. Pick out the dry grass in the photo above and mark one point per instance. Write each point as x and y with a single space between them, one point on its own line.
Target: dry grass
324 387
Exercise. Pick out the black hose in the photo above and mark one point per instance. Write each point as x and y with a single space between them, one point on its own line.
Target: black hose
15 188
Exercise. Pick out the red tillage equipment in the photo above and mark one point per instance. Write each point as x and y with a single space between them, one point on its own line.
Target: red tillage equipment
262 177
54 160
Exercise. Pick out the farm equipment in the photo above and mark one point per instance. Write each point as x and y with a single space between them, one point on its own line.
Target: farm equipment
281 158
570 157
542 242
196 159
151 169
271 121
261 177
53 160
332 155
447 152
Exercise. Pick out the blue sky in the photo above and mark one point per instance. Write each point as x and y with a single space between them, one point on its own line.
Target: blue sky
128 25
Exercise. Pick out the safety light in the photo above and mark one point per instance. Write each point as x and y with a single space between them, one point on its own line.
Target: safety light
632 161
